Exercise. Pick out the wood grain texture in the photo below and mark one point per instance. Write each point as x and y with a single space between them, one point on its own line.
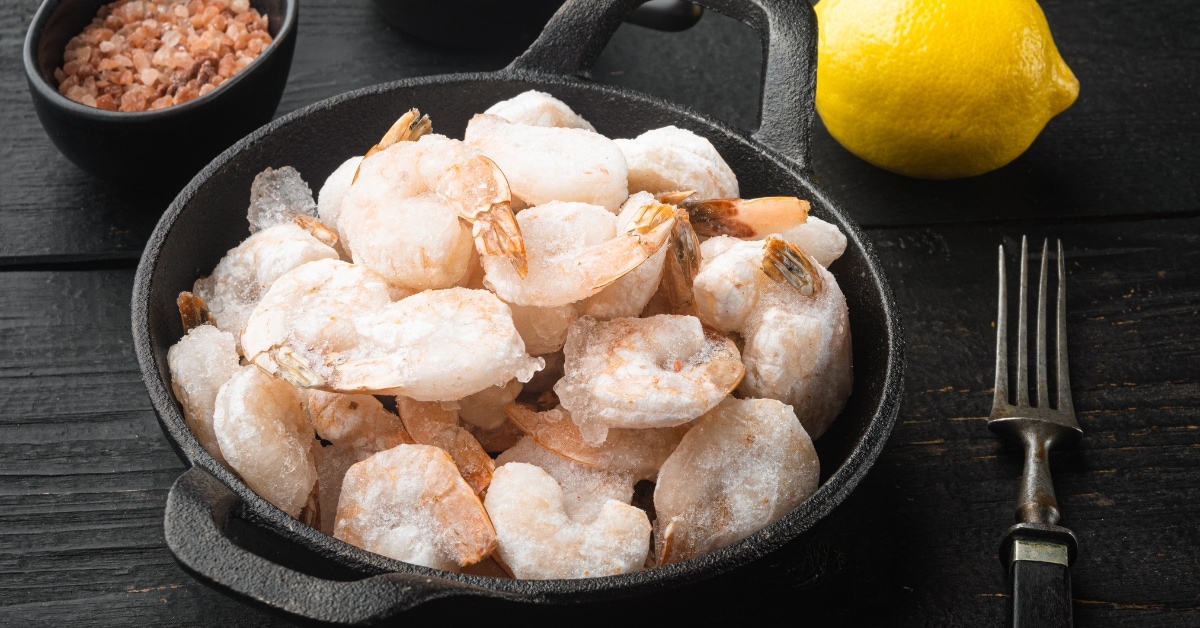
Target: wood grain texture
85 468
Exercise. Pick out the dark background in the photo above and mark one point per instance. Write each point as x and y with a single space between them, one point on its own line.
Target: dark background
84 468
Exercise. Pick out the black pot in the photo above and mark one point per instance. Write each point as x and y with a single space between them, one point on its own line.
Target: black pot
219 530
166 147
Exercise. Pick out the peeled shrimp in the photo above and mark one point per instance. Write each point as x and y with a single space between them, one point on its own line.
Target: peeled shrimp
793 317
820 239
585 489
410 503
546 164
332 325
671 159
644 372
639 453
402 215
431 424
742 466
200 363
629 294
329 197
485 409
357 427
266 437
573 253
249 269
539 109
536 539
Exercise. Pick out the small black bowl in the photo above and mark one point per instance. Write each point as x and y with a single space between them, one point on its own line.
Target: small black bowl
158 148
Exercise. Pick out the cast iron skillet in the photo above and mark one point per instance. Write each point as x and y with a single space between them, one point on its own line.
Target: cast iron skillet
214 524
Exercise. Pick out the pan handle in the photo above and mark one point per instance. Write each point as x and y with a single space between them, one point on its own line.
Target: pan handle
579 31
198 508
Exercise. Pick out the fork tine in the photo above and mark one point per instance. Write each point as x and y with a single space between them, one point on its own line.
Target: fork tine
1000 397
1022 400
1043 387
1064 379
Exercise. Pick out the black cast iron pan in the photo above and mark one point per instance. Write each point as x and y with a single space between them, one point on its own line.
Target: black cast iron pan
229 537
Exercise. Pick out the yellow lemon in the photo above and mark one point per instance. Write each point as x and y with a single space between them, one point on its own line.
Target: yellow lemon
938 88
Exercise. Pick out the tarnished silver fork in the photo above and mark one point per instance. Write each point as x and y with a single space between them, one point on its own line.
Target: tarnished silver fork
1037 552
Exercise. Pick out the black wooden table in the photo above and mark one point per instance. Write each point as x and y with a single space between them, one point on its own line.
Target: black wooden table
84 469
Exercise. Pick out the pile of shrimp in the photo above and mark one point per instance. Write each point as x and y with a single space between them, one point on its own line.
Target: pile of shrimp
535 352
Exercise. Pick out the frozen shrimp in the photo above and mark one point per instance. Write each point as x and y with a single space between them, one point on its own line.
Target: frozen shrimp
200 363
536 539
329 197
628 295
485 409
639 453
585 489
793 318
249 269
266 437
431 424
546 164
644 372
357 427
743 466
544 329
403 216
539 109
411 504
332 325
671 159
574 252
820 239
754 218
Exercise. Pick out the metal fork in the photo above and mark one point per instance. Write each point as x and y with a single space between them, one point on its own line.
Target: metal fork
1036 551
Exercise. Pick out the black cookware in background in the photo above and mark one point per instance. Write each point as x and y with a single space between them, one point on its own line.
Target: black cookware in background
229 537
510 24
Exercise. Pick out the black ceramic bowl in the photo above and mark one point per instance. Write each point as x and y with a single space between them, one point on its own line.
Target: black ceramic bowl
166 147
231 538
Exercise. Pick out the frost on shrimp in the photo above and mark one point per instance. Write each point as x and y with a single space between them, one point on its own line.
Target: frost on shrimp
539 109
793 318
644 372
574 252
403 215
249 269
743 466
357 426
333 326
266 437
671 159
200 363
546 164
431 424
536 539
638 453
585 489
411 504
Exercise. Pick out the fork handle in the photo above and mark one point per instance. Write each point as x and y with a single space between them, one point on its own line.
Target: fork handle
1037 503
1041 594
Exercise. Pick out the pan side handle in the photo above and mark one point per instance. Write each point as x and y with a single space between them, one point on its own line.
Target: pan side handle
579 31
198 508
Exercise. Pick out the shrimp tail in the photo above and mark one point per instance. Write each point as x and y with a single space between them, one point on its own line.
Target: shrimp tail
294 369
784 261
681 267
407 128
647 233
317 229
193 311
496 233
746 218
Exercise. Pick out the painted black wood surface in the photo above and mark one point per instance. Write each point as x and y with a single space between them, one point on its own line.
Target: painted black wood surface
84 468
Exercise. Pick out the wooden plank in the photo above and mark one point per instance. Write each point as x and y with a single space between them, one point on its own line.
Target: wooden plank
1124 149
85 468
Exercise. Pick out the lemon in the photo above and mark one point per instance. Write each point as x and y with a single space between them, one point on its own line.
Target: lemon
938 89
